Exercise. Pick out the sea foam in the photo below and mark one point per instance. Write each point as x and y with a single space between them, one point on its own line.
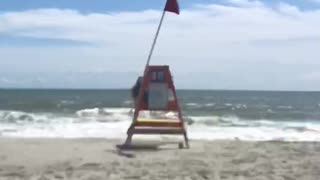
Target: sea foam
113 123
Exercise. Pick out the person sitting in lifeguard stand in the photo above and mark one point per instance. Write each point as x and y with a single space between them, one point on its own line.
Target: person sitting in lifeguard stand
136 89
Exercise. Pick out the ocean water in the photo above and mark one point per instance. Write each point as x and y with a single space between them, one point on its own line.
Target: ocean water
210 115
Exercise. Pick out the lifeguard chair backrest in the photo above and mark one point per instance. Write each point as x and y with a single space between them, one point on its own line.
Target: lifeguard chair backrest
160 89
158 96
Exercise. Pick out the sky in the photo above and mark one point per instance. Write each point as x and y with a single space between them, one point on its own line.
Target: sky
212 44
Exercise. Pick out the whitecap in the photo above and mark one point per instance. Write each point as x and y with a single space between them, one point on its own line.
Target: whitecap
284 107
114 122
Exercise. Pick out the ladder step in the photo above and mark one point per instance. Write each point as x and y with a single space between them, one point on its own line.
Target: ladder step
156 131
158 123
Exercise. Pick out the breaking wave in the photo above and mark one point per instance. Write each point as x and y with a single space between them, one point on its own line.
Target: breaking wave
113 123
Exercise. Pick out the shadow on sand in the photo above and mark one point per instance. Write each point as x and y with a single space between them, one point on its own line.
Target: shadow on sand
128 150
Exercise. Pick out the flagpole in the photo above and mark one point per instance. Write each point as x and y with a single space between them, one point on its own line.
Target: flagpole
155 40
148 61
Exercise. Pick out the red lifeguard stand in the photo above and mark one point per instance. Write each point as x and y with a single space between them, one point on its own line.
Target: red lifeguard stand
157 93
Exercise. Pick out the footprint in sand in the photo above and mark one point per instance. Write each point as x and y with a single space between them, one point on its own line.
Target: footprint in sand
13 172
3 158
58 176
13 175
51 175
90 166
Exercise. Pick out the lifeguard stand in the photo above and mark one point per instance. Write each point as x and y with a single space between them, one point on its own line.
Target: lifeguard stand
157 93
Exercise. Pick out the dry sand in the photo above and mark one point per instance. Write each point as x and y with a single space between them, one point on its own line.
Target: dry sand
95 159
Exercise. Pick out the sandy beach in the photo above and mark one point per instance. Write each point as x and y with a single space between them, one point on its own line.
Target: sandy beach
94 159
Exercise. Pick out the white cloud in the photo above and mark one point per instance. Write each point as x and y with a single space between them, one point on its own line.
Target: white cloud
289 9
246 3
4 80
208 40
312 76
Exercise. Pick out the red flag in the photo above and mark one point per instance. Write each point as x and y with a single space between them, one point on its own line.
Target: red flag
172 6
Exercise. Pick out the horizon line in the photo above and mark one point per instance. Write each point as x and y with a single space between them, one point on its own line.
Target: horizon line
178 89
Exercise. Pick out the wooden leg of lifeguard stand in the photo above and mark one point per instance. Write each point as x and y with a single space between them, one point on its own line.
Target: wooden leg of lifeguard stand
128 140
129 137
186 139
